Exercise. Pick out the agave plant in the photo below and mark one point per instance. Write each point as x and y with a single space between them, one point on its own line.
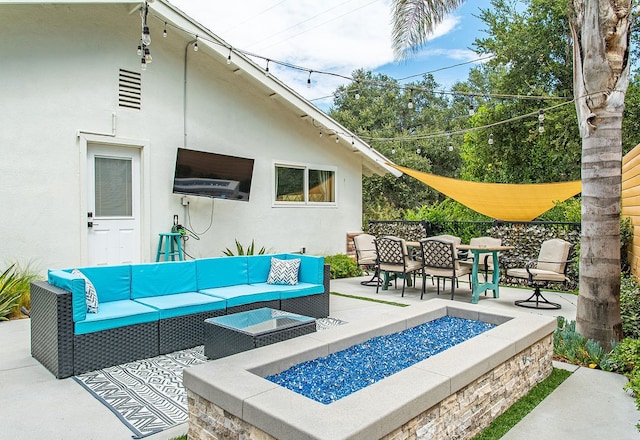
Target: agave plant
9 297
241 250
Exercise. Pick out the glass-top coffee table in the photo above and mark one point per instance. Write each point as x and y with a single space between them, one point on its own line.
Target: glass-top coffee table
231 334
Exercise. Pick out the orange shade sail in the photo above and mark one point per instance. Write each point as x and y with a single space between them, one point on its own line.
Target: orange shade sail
501 201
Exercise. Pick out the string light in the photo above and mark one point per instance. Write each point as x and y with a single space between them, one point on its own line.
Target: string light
490 138
266 70
450 146
143 64
140 48
195 45
229 56
393 150
357 95
410 104
418 150
472 110
337 139
147 55
164 32
309 79
146 35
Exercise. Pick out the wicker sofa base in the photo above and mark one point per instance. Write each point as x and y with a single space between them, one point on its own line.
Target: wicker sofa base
183 331
93 351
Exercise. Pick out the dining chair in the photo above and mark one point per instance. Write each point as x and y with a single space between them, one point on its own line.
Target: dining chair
366 257
439 259
549 267
393 258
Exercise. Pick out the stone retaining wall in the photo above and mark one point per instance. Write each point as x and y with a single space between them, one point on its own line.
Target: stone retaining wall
461 415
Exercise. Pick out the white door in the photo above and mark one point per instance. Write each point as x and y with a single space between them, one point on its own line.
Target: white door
113 217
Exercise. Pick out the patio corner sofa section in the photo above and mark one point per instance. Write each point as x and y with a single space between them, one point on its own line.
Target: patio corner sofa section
150 309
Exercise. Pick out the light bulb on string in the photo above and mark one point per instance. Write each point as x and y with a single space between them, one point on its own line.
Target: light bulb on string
146 36
393 150
229 56
195 45
164 32
143 64
410 104
540 115
309 79
320 133
266 70
541 127
337 139
418 150
140 48
450 146
472 110
147 55
491 139
357 95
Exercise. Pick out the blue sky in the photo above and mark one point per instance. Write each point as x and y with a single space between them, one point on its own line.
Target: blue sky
336 36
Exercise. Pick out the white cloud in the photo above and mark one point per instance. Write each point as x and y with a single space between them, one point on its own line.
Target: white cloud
335 36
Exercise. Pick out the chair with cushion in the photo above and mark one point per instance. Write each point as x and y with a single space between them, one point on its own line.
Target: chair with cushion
366 257
393 258
439 259
549 267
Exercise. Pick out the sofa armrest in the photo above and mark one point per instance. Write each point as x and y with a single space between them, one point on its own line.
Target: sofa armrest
52 328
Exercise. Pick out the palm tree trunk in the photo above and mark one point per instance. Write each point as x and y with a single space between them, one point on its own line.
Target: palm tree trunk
598 313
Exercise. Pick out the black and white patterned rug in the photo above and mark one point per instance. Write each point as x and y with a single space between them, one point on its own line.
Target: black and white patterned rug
147 395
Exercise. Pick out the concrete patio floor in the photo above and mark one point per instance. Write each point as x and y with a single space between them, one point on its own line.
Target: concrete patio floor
35 405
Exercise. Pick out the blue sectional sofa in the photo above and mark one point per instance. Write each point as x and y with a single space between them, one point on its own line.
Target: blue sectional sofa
149 309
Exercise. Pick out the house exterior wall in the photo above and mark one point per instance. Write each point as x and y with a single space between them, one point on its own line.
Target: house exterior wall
59 76
631 203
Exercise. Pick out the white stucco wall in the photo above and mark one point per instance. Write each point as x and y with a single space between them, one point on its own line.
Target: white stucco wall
59 74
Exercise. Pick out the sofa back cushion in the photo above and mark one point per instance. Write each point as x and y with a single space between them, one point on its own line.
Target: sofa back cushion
311 268
221 272
155 279
112 283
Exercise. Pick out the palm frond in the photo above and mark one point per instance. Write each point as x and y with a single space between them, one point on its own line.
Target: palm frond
414 21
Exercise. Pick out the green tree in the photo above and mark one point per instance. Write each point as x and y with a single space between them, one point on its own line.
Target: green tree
600 32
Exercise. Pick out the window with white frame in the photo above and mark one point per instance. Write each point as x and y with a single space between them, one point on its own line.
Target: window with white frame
304 184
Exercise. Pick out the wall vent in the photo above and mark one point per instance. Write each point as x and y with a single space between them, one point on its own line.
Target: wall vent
130 89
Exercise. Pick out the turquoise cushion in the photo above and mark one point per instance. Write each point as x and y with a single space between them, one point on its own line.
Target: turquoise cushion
182 304
245 294
112 283
115 314
156 279
221 272
289 291
311 268
259 267
64 280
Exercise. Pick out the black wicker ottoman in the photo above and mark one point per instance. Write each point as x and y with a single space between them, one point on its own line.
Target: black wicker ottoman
230 334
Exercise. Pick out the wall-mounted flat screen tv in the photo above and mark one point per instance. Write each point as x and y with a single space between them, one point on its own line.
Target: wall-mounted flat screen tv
199 173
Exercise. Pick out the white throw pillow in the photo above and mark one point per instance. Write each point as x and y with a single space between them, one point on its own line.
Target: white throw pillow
284 271
91 296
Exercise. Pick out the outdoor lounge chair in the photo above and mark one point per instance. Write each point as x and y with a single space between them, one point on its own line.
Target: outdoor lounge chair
393 258
439 259
366 257
550 266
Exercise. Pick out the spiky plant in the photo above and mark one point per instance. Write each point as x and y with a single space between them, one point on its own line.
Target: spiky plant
9 296
241 251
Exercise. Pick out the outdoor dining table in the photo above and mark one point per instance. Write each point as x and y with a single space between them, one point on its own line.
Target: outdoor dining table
477 251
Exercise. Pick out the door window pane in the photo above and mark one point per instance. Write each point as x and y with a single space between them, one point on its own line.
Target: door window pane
289 184
113 187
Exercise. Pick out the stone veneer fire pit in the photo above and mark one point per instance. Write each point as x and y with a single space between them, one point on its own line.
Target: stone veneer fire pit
454 394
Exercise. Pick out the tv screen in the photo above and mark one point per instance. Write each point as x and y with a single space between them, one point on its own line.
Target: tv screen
214 175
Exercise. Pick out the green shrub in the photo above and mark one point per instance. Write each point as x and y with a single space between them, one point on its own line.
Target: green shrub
630 306
625 359
343 266
9 296
572 347
241 251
